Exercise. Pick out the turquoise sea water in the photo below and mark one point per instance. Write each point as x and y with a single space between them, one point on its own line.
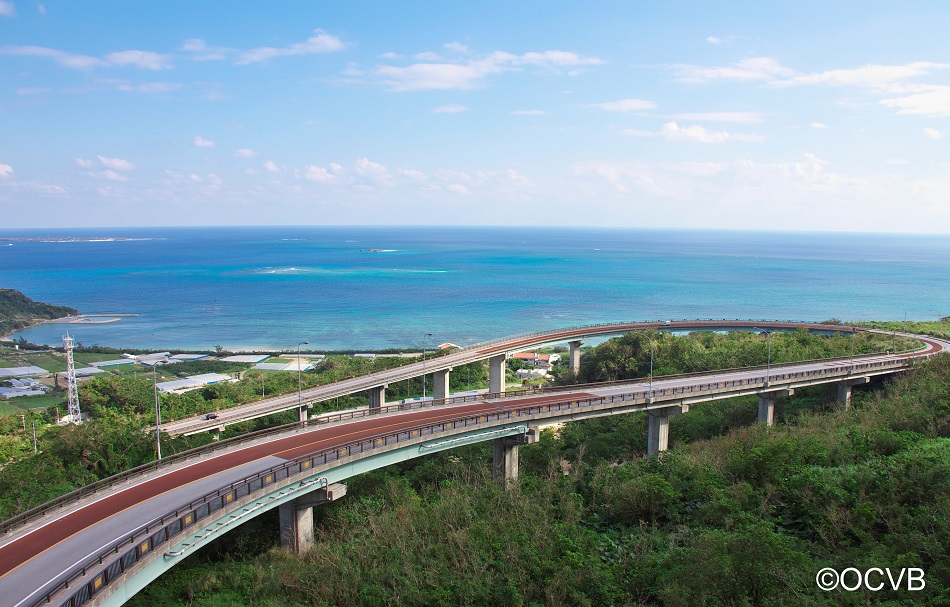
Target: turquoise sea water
271 287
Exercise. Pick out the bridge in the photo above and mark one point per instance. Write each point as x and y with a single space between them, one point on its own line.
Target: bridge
101 544
496 352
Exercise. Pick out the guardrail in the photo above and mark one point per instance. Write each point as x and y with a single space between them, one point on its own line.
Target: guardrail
77 495
143 541
358 384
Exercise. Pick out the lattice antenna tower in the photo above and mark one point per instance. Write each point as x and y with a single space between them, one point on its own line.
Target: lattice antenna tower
74 414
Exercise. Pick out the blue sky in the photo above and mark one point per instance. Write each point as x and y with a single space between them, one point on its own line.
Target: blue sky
775 115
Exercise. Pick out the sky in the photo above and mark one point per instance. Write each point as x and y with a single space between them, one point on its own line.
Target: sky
728 115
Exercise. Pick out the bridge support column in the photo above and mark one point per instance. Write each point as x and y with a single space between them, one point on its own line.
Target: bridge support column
496 373
377 398
216 433
658 429
505 465
575 355
296 517
767 405
440 380
303 413
844 390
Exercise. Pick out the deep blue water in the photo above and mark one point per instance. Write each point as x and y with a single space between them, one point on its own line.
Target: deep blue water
270 287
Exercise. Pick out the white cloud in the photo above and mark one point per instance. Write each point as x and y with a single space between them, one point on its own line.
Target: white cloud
109 175
145 60
201 142
390 55
320 42
7 9
672 131
529 113
5 170
458 47
414 175
625 105
747 70
436 74
549 59
713 40
934 102
688 180
374 171
458 188
70 60
202 52
245 153
85 164
149 87
738 117
319 174
879 77
932 133
116 164
451 108
270 166
818 125
140 59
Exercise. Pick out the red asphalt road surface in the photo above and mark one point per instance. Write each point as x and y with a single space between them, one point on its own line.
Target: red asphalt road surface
28 546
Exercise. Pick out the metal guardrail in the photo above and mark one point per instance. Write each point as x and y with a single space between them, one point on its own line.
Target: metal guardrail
111 482
365 382
143 541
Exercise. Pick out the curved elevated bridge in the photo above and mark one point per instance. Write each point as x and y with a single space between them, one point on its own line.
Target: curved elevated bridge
103 543
496 352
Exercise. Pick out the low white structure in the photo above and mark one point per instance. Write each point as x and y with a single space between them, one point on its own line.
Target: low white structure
193 382
246 358
22 371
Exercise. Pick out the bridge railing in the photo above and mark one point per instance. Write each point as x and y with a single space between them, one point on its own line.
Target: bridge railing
357 384
77 495
95 575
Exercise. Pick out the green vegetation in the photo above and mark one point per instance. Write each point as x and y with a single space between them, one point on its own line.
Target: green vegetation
744 517
735 514
17 311
629 356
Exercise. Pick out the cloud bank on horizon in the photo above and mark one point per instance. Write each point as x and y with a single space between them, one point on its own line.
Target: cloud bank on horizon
802 116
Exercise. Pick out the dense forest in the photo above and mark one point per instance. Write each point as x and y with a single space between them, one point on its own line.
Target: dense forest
18 311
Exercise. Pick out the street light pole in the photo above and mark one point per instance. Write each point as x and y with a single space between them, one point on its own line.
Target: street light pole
651 368
158 415
851 359
768 360
299 399
424 364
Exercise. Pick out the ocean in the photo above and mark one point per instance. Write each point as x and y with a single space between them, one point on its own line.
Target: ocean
365 288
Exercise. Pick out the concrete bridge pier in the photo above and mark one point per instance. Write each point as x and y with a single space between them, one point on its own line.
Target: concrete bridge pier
575 355
440 380
296 517
505 464
767 405
216 433
303 412
377 398
658 429
496 373
844 390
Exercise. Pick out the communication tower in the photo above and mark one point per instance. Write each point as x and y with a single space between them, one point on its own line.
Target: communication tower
75 416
